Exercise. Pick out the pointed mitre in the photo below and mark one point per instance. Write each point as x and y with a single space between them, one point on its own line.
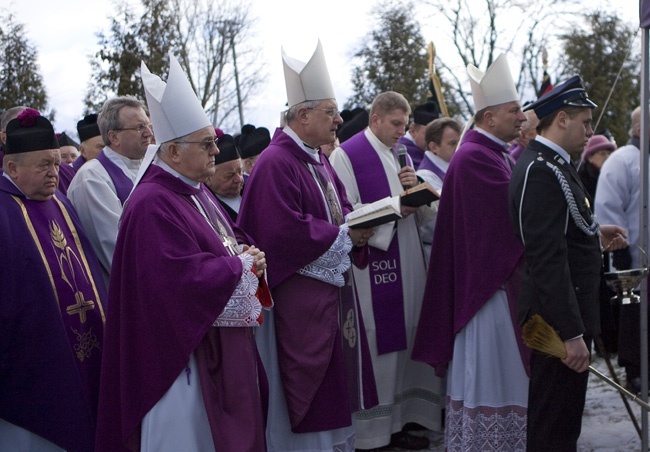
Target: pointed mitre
174 108
495 86
307 81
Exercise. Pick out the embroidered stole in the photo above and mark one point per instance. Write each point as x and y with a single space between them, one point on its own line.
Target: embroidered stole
384 266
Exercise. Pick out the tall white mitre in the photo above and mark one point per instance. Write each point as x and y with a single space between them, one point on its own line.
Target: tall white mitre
493 87
307 81
174 107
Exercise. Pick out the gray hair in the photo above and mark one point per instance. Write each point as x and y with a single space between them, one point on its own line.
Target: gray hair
165 146
10 114
292 112
109 117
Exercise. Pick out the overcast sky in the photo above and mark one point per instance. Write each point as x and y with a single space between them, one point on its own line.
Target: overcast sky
64 33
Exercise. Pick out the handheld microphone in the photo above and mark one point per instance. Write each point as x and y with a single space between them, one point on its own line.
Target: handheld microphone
401 156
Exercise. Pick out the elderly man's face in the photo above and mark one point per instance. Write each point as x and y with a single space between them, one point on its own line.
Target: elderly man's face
196 157
389 127
323 122
91 148
129 141
227 181
68 154
36 173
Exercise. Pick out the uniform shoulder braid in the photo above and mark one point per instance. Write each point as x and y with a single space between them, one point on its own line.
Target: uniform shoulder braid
589 228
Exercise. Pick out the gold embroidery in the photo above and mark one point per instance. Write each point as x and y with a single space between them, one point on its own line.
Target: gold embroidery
349 329
32 231
86 267
67 255
86 342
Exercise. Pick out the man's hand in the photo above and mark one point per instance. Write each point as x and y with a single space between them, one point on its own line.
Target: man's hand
613 237
408 210
360 237
259 259
577 355
407 177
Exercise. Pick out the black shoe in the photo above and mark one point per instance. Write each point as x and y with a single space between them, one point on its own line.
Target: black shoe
634 385
407 441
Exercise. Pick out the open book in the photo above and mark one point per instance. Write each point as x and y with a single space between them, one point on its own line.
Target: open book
379 212
389 209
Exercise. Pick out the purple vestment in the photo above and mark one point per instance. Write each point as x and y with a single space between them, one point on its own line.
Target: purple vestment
171 278
387 296
79 162
66 173
284 212
476 246
51 320
413 150
123 184
427 164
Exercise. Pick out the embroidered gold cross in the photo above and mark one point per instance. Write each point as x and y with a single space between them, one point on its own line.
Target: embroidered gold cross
80 307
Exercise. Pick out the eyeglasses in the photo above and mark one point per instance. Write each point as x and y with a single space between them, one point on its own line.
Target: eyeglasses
331 112
140 128
206 145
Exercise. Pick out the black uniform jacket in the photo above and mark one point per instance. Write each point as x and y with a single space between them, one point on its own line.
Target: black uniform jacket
563 263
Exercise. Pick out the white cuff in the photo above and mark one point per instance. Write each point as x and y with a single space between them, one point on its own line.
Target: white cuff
330 267
243 308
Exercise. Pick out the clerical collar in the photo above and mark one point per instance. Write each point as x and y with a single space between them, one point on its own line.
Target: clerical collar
374 141
313 153
173 172
491 137
555 147
437 160
409 137
129 166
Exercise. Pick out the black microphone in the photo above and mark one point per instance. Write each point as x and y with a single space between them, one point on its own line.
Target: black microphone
401 156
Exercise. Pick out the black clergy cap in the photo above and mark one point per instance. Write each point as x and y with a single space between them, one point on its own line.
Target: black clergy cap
87 128
227 150
65 140
570 93
30 131
357 120
425 113
253 142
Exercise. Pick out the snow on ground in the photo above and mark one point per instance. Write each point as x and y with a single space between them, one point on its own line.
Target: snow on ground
606 425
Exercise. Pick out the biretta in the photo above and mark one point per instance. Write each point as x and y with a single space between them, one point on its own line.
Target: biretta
425 113
29 131
570 93
253 142
174 108
495 86
87 128
307 81
357 120
65 140
227 150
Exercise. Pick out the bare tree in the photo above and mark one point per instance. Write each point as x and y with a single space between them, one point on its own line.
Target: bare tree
480 31
223 69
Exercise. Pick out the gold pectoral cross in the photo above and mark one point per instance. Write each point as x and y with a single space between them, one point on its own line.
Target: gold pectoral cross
80 307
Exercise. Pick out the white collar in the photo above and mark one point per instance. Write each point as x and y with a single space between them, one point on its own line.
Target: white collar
554 146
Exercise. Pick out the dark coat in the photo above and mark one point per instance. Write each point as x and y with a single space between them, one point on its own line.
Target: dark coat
563 263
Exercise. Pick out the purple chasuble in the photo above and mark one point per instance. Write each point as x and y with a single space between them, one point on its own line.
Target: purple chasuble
51 320
170 280
385 273
66 173
78 163
475 240
285 212
427 164
416 154
123 185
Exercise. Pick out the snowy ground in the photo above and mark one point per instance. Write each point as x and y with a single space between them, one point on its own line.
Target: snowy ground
606 425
